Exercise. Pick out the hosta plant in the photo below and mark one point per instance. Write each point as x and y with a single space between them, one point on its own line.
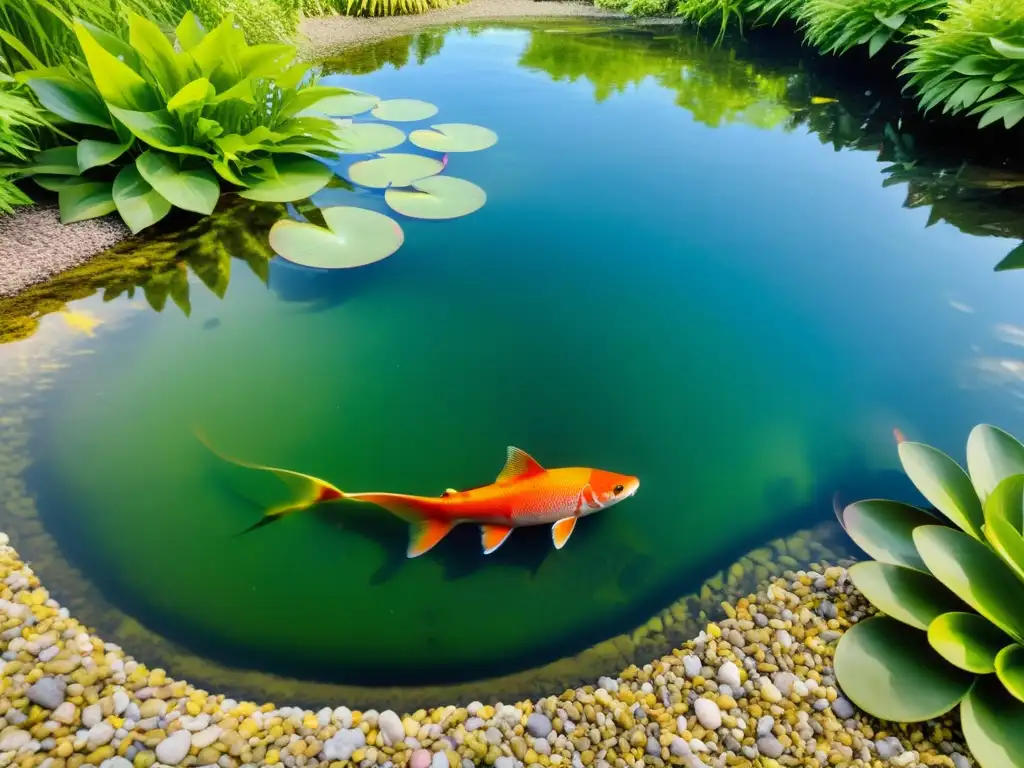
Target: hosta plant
950 591
836 26
171 123
972 59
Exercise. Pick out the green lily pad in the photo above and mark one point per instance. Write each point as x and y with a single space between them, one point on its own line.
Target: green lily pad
394 170
975 574
884 529
439 197
889 670
343 105
354 237
403 110
1010 670
907 595
992 456
942 481
367 138
991 720
967 641
454 137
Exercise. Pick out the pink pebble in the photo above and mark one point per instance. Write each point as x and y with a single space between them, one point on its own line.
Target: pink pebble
420 759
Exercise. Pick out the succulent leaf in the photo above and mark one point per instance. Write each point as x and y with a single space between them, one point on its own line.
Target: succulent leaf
906 595
884 530
1010 670
944 483
991 720
967 640
992 456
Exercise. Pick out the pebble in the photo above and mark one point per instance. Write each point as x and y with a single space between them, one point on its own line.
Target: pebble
172 750
769 746
538 725
729 674
842 708
343 744
420 759
708 714
116 762
47 692
100 735
92 715
14 739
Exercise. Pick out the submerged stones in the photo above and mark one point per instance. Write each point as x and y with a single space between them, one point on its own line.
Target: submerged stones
48 692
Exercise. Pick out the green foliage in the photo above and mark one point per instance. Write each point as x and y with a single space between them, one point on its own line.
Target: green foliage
952 586
262 21
389 7
21 123
836 26
636 7
165 126
972 59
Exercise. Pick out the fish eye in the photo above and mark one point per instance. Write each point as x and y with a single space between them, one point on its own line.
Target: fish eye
618 489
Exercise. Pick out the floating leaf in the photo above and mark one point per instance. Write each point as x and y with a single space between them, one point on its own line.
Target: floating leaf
343 105
138 203
454 137
403 110
884 530
439 197
877 657
297 177
944 484
394 170
975 574
355 237
87 200
992 455
92 153
195 189
1010 670
991 720
967 641
907 595
367 138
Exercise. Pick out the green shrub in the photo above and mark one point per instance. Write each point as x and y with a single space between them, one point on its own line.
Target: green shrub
972 59
262 21
21 123
952 589
163 127
389 7
836 26
636 7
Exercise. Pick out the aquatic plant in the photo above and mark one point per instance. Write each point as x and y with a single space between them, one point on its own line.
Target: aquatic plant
951 590
836 26
971 59
166 127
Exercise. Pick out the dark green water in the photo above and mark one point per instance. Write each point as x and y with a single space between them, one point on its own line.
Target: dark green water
675 276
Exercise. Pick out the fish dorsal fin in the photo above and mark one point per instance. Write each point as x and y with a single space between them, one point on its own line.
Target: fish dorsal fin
448 492
519 464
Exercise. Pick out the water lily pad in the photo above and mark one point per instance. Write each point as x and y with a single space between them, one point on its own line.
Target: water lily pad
875 659
404 110
884 529
366 138
440 197
354 237
345 105
454 137
394 170
967 641
907 595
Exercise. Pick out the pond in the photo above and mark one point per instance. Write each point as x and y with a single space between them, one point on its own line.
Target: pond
674 276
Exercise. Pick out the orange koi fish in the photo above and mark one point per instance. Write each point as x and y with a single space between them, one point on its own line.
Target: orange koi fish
525 493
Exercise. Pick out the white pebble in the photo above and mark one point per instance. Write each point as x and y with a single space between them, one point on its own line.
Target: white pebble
195 724
100 735
729 674
206 737
342 717
92 715
708 713
174 748
391 727
121 702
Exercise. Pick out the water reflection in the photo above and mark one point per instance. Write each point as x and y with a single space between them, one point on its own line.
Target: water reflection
395 52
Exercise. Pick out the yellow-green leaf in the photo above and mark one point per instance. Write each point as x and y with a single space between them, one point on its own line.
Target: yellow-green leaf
157 52
118 84
71 99
967 641
909 596
158 130
991 720
191 96
942 481
1010 670
85 201
92 153
1007 543
992 456
189 31
193 189
138 203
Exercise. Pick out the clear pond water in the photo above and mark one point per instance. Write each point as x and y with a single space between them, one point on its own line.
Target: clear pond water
675 276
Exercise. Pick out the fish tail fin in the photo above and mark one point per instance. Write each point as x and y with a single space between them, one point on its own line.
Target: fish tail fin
309 490
425 530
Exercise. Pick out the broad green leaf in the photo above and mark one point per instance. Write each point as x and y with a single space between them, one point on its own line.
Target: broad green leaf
241 91
113 44
85 201
944 484
1008 110
1010 670
225 172
967 641
355 237
403 110
906 595
193 189
71 99
884 530
208 129
393 169
992 91
975 574
138 203
1008 544
890 671
92 153
1007 503
157 53
215 47
57 183
991 720
191 96
342 105
967 94
158 129
118 84
368 138
297 177
1007 50
266 60
58 161
439 197
973 65
454 137
877 40
189 31
893 22
307 98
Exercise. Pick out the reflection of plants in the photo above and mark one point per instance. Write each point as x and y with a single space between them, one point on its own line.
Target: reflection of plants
394 51
953 596
972 59
162 124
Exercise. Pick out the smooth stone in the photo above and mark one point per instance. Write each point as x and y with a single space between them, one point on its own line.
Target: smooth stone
765 725
842 708
827 609
195 724
440 760
493 736
784 682
14 740
174 748
391 727
100 735
505 762
785 639
16 716
769 746
474 724
960 761
679 748
542 747
708 714
92 715
691 666
343 744
729 674
420 759
538 725
609 684
121 702
342 717
207 736
115 762
47 654
47 692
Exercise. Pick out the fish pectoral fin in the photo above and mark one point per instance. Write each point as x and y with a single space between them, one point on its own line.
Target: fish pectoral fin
562 530
493 536
425 534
